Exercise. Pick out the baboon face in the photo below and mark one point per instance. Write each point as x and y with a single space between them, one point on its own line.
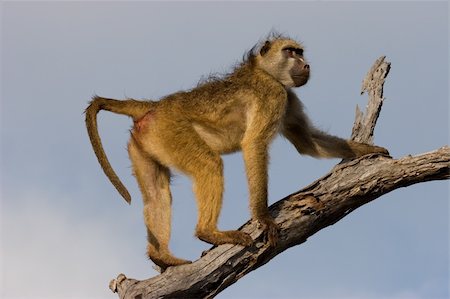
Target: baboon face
300 69
283 59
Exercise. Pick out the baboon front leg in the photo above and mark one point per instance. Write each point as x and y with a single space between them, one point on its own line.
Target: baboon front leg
205 168
256 160
153 180
308 140
208 189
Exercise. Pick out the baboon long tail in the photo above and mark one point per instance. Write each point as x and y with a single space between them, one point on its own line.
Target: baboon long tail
135 109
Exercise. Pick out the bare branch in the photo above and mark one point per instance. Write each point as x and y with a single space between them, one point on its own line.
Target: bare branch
348 186
373 84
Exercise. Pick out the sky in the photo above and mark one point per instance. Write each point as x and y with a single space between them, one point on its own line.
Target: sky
66 232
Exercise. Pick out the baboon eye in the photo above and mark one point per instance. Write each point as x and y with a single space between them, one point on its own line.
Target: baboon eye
290 51
299 52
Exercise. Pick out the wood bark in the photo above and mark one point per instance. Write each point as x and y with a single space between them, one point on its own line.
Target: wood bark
349 185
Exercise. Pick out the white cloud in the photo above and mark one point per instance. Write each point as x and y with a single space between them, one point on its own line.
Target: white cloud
52 251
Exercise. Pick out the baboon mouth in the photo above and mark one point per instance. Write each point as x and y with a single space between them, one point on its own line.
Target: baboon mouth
300 77
300 80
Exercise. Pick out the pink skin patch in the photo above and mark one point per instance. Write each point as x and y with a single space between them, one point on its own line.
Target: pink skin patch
143 122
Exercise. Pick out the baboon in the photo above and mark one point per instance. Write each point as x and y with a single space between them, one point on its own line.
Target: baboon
189 130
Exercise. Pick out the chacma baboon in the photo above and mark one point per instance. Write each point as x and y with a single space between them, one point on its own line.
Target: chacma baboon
189 130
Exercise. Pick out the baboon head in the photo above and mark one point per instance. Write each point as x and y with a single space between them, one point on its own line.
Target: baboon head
283 59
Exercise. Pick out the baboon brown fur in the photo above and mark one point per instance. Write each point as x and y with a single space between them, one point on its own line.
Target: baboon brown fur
189 130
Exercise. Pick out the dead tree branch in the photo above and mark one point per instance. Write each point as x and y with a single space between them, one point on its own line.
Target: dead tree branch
346 187
373 84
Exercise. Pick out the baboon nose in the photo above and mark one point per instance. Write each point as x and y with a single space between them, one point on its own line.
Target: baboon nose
306 66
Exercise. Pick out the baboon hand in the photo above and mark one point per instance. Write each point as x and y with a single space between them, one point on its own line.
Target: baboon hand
381 150
362 149
270 230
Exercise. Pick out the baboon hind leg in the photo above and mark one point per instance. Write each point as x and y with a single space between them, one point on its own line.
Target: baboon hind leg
154 179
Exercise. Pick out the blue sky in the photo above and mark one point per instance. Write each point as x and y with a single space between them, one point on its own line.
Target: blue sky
65 231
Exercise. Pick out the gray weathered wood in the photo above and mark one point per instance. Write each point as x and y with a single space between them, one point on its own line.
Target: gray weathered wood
346 187
373 85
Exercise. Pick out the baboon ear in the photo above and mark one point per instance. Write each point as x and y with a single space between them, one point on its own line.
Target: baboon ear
265 48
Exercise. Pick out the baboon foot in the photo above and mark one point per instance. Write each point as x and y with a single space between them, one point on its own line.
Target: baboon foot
225 237
165 259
